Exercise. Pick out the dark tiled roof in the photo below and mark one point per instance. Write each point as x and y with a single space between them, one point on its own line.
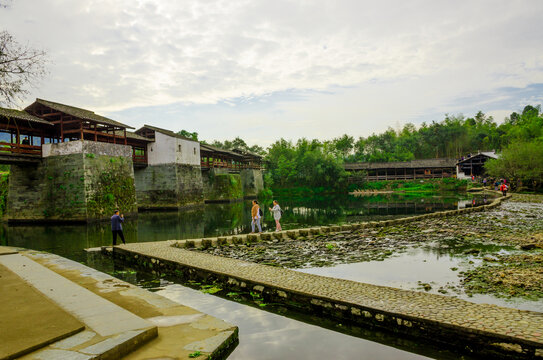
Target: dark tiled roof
247 153
166 132
80 113
487 154
132 135
21 115
425 163
217 150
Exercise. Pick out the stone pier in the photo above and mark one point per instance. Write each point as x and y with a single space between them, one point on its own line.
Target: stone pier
172 178
168 186
221 186
252 181
74 181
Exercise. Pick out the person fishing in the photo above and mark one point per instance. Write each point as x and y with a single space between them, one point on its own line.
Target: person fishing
117 227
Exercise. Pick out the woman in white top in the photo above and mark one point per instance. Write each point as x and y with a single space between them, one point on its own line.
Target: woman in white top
276 215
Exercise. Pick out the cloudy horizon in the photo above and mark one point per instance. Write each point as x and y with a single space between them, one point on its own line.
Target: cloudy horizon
265 70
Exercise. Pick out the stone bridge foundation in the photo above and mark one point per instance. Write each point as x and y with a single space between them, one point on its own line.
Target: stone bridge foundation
169 186
252 181
75 181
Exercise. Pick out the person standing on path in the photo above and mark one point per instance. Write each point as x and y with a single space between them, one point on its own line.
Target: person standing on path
255 217
503 189
276 215
116 227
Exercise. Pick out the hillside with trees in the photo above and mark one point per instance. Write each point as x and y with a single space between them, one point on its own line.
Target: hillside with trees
316 163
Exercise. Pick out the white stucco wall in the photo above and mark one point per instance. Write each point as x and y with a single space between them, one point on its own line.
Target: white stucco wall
187 152
171 150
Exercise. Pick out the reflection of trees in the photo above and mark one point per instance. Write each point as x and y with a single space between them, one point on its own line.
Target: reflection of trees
158 226
227 218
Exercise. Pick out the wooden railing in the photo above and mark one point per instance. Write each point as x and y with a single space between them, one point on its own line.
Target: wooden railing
227 165
20 148
139 159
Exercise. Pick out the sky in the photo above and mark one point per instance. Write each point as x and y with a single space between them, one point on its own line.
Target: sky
265 70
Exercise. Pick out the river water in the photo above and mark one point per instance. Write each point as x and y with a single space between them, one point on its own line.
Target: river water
273 333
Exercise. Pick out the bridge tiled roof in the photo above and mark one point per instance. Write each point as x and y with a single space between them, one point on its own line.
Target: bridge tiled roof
213 149
80 113
166 132
424 163
133 135
21 115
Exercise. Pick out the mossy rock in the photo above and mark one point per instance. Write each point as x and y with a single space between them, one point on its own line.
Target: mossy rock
206 243
304 232
221 241
266 236
189 244
252 238
292 234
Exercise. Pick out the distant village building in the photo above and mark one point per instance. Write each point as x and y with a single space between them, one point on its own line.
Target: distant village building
473 165
405 170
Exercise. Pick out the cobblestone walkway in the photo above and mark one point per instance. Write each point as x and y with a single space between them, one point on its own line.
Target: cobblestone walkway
490 319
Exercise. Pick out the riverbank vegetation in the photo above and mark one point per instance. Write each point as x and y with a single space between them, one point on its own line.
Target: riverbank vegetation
319 164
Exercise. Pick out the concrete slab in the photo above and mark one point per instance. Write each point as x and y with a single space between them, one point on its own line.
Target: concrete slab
178 325
74 340
23 305
6 250
102 316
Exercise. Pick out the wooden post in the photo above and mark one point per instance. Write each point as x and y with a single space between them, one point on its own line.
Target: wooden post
95 132
81 129
18 141
125 142
61 128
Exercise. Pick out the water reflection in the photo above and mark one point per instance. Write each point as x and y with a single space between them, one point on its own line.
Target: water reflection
437 265
264 335
226 219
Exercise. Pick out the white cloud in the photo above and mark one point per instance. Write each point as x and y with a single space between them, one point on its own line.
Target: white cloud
395 61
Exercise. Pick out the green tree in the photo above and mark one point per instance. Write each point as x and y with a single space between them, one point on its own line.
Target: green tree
188 134
521 163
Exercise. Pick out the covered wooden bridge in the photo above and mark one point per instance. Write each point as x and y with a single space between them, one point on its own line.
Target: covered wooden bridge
404 170
234 161
22 133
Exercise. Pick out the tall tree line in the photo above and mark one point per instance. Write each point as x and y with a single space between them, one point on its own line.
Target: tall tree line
318 163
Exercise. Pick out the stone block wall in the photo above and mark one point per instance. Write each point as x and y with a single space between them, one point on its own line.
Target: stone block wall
252 181
220 186
109 185
168 186
75 181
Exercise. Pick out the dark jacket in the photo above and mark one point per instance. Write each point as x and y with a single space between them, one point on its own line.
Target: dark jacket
116 221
